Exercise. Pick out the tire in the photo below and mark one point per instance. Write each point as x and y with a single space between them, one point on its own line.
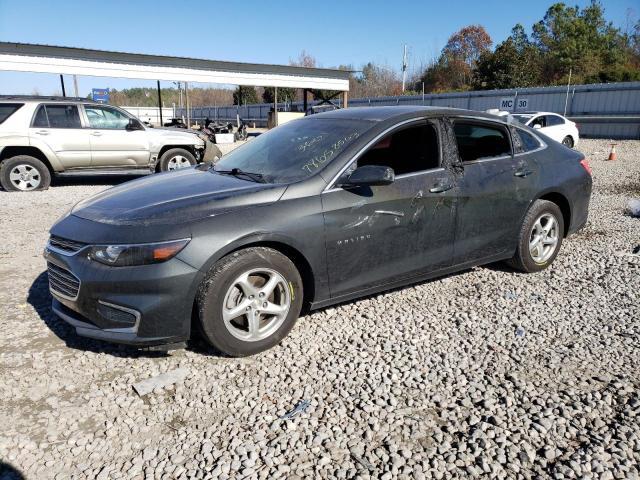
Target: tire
175 159
24 173
224 307
568 141
529 258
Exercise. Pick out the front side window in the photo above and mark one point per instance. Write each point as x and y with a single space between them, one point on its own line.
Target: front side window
477 141
8 109
296 150
57 116
540 121
106 117
409 150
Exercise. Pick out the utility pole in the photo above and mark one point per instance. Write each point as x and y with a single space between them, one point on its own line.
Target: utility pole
566 98
404 66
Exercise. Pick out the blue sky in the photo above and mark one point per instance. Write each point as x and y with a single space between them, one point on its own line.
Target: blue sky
335 32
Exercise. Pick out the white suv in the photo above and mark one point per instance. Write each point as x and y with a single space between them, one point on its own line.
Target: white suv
45 136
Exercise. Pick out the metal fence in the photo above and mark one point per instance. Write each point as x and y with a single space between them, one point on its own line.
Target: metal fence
601 110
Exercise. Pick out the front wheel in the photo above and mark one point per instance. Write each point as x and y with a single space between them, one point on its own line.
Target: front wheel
540 237
249 301
176 159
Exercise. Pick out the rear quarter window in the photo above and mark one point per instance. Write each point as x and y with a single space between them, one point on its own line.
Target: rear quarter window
527 141
8 109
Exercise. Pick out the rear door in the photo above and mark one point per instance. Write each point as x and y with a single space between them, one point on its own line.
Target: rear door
112 145
57 127
493 191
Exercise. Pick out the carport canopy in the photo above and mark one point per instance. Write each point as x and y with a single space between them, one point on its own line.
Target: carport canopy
22 57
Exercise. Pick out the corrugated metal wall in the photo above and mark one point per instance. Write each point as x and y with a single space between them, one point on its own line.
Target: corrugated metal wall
602 110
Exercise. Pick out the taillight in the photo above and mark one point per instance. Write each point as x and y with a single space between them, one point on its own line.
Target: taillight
585 164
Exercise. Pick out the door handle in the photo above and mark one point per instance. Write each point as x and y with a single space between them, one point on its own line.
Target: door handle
523 173
42 132
96 134
443 187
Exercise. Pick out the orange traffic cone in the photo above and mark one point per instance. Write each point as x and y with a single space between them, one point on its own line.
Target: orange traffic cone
612 154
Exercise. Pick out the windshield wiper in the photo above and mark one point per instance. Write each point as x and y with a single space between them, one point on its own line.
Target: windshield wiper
256 177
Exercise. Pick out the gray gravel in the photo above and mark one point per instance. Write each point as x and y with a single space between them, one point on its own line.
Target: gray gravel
484 373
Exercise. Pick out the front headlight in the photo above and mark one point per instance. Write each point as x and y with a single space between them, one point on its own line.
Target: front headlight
138 254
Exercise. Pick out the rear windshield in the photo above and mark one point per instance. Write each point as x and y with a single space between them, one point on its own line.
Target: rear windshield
296 150
8 109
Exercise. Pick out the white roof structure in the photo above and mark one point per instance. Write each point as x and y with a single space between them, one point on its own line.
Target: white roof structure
23 57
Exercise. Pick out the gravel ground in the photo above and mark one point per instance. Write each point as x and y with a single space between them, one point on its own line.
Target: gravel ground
483 373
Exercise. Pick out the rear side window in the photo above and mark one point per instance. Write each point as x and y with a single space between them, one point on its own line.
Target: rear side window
554 120
528 141
57 116
477 141
8 109
409 150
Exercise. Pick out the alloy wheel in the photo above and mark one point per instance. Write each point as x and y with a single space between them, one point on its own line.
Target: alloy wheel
256 304
178 162
25 177
544 237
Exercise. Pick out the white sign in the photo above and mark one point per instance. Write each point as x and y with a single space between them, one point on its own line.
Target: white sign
522 104
507 103
513 103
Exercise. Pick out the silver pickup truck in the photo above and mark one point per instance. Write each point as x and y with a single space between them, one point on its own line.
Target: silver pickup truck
45 136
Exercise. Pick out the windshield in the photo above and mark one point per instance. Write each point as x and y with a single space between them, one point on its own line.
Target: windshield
522 118
296 150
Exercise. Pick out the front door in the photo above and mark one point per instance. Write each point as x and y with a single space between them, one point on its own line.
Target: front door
57 128
112 145
492 191
378 234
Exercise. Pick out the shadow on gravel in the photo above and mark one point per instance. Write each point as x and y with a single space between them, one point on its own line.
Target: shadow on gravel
90 180
40 299
9 472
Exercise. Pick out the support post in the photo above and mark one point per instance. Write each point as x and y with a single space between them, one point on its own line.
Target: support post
186 101
304 100
345 99
275 110
75 85
160 103
64 93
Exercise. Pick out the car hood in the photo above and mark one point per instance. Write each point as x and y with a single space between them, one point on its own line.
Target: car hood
178 136
175 197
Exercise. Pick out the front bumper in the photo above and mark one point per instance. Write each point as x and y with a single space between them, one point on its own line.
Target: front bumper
143 305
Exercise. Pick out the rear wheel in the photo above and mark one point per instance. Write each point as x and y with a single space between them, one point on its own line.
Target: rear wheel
567 141
249 301
24 173
176 159
540 237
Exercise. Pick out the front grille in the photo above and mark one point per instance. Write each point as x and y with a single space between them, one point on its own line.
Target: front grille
65 245
62 281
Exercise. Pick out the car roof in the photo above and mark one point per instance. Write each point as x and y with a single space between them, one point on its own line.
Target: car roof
537 113
48 99
379 114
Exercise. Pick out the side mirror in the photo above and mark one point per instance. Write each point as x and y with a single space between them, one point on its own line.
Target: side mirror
537 126
134 125
370 175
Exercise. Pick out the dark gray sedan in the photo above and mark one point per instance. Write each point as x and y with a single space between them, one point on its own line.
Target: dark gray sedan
318 211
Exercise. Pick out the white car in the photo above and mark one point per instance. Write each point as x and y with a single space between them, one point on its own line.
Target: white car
554 126
45 136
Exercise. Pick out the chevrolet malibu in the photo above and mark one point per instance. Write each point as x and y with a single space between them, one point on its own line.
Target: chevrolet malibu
319 211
